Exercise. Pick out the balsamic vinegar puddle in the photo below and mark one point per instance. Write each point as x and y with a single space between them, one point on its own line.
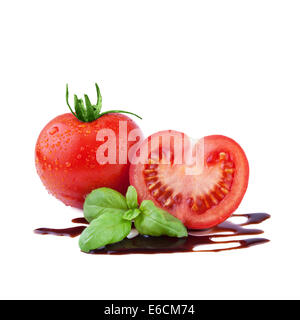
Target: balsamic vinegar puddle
67 232
229 235
80 220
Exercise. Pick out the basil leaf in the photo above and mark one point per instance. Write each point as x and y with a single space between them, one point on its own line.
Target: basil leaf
108 228
100 199
131 214
131 198
154 221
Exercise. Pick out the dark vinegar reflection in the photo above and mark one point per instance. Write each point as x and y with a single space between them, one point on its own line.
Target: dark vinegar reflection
193 243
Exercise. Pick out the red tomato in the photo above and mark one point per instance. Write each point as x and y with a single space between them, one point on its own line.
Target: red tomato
201 197
66 161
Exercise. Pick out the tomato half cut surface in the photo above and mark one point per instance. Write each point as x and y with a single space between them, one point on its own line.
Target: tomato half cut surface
200 182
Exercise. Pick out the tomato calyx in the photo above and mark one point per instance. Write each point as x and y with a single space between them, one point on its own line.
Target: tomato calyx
85 111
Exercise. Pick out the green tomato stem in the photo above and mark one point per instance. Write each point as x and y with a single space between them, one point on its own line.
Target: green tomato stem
86 112
119 111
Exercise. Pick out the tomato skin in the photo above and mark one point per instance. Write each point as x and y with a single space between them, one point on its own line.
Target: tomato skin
216 214
65 157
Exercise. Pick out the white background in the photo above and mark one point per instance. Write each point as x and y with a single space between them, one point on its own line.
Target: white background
202 67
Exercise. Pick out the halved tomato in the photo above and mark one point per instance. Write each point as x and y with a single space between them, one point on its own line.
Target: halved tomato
200 182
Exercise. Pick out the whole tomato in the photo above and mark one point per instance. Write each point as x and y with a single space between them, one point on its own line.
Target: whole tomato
66 153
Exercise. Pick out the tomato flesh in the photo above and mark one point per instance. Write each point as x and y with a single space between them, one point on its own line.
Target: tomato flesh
201 198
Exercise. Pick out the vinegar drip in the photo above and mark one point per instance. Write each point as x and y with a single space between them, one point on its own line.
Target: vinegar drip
193 243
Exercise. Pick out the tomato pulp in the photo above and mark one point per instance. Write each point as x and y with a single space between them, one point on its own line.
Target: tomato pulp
200 193
66 157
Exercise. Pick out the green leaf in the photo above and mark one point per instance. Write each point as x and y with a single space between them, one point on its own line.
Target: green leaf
131 198
120 111
89 112
89 109
103 198
108 228
154 221
67 100
98 106
131 214
79 108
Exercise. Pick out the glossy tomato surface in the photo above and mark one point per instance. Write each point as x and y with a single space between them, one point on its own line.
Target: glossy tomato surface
201 193
66 157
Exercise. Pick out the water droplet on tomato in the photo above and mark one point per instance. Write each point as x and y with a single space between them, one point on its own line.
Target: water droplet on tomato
68 164
53 130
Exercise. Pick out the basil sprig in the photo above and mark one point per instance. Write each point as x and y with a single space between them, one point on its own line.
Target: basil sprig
157 222
131 214
131 198
101 199
109 227
111 214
